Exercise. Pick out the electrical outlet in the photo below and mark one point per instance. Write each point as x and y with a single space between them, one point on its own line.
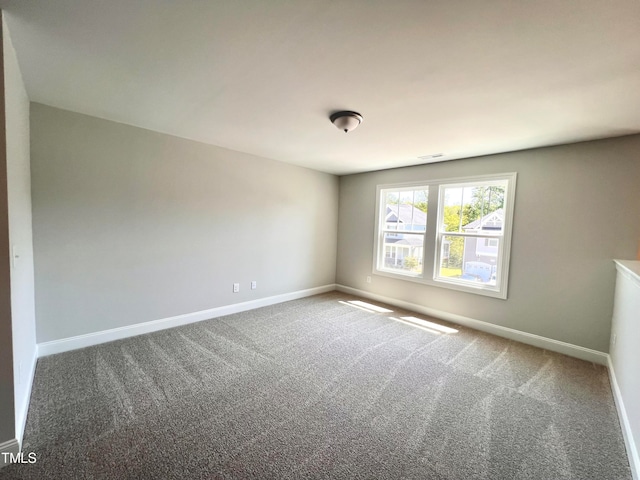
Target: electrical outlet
368 278
236 287
613 339
254 285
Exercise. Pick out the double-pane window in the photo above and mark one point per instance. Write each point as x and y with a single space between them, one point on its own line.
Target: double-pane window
453 233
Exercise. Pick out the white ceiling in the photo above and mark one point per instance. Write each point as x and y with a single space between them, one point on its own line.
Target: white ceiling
463 78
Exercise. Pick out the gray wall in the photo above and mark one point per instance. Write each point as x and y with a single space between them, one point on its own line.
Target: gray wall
132 225
7 430
20 232
576 209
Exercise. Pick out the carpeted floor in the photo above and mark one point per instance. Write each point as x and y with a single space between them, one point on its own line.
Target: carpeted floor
320 388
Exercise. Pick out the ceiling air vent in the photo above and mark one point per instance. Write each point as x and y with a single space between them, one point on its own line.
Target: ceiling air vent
431 157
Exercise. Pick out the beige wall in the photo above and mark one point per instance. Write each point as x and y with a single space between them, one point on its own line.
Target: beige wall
132 226
20 232
575 210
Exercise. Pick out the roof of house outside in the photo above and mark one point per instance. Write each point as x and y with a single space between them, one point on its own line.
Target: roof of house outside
491 221
408 214
411 240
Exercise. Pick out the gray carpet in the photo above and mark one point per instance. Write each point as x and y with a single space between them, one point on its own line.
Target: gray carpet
320 388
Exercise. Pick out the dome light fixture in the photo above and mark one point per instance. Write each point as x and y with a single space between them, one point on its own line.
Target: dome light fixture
346 120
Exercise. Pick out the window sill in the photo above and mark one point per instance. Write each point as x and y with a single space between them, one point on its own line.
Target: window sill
441 283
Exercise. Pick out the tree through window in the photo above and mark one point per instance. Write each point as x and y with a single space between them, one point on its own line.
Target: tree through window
453 233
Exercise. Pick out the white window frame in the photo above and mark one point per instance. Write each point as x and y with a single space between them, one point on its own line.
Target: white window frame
381 227
435 232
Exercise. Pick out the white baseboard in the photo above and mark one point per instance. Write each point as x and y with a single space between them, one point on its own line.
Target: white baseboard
23 410
87 340
81 341
510 333
10 446
632 451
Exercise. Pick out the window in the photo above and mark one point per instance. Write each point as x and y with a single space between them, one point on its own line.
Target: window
403 224
453 233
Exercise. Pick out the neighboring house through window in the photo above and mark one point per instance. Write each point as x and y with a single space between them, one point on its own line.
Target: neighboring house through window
464 244
404 229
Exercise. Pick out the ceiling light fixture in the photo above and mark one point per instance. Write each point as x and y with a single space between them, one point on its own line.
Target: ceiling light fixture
346 120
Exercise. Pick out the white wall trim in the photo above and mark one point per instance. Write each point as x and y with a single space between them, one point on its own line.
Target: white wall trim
10 446
632 451
95 338
23 410
510 333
